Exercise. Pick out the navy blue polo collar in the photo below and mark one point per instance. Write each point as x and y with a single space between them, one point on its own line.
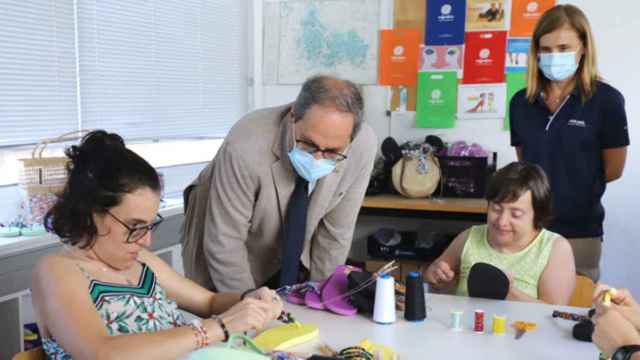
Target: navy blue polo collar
574 93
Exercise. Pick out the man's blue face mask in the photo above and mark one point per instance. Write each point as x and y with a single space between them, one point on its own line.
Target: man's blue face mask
308 167
558 66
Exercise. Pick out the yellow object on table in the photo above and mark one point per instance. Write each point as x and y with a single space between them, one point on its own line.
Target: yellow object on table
499 324
284 337
606 301
379 351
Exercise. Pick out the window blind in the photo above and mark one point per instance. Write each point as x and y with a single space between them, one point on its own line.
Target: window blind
163 68
37 70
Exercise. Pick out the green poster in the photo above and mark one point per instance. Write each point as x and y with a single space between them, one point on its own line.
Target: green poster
437 94
515 82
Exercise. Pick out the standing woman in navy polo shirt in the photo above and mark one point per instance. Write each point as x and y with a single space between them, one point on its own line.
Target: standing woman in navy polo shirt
572 124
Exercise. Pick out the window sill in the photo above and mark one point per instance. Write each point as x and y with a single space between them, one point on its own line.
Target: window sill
158 154
171 206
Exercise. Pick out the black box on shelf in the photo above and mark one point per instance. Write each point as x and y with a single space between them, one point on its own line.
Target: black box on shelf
465 176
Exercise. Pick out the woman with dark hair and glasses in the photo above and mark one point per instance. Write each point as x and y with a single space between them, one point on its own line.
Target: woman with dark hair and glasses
538 262
105 284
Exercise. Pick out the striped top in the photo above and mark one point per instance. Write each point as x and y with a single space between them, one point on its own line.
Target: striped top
127 309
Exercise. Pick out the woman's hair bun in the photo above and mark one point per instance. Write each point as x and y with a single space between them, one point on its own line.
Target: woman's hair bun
94 146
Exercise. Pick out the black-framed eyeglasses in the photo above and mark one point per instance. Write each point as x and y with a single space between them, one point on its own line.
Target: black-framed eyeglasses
138 232
326 154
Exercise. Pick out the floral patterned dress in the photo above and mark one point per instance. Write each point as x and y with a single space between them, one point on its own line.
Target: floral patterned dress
127 309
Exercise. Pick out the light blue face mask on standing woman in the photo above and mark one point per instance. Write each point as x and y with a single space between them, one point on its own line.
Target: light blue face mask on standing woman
558 66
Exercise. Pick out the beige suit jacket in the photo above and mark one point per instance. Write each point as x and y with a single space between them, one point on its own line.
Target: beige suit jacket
235 209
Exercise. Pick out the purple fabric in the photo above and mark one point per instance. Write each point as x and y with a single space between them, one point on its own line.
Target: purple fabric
334 289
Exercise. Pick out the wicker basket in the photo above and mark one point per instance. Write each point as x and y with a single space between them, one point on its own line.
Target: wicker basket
42 178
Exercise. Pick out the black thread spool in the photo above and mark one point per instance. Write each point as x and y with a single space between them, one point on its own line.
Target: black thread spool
414 309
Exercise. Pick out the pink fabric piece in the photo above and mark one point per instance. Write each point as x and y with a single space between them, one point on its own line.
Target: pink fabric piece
312 298
334 288
296 297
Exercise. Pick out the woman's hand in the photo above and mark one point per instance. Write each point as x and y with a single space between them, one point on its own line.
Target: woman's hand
622 301
269 296
613 330
249 314
439 274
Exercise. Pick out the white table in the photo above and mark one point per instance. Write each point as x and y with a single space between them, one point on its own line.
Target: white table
433 339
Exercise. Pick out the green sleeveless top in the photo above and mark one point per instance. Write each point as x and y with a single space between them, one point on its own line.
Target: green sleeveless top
526 266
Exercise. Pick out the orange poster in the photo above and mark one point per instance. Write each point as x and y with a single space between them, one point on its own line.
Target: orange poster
399 50
525 15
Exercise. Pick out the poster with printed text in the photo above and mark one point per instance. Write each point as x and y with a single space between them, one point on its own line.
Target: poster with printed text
440 58
486 101
399 57
525 15
444 23
484 56
517 54
436 106
486 15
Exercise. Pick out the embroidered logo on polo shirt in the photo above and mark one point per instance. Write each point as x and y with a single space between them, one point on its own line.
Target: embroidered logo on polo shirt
578 123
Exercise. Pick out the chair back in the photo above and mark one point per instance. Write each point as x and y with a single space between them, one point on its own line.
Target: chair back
583 294
33 354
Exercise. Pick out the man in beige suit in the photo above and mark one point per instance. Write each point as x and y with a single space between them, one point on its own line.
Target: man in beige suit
240 225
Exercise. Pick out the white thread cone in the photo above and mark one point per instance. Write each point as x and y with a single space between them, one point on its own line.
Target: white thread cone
384 309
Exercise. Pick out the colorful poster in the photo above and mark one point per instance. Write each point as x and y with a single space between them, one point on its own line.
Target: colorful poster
438 58
486 15
525 15
485 101
517 53
515 83
484 57
399 57
445 22
436 107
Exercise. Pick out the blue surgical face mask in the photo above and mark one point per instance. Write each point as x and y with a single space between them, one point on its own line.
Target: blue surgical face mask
558 66
309 167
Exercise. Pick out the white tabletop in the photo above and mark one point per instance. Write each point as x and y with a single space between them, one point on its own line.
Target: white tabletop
433 339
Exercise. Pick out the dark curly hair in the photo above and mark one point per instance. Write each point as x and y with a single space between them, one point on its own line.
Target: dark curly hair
515 179
100 172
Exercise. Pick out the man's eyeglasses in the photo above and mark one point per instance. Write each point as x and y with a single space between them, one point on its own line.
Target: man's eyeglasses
138 232
326 154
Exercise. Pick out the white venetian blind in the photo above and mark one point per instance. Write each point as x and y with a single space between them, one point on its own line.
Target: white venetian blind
163 68
37 70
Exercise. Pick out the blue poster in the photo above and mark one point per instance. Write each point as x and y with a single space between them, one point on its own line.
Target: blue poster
445 22
517 53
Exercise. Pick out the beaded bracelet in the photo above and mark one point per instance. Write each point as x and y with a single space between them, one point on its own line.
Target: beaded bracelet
202 337
225 331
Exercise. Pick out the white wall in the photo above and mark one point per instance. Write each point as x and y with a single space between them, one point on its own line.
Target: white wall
615 29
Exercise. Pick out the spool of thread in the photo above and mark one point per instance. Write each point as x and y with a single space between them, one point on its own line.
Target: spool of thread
499 325
384 308
478 323
456 320
414 309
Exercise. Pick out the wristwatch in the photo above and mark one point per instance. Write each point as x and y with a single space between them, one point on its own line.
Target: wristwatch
625 352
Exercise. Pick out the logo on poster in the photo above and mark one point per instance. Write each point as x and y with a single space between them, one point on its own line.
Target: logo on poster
398 53
483 57
532 10
435 97
445 13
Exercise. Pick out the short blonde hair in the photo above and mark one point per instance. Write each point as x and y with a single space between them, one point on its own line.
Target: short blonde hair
552 20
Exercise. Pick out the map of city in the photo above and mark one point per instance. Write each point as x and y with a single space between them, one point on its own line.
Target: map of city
337 37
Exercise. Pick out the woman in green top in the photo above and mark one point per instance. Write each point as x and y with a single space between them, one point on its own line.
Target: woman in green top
538 262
